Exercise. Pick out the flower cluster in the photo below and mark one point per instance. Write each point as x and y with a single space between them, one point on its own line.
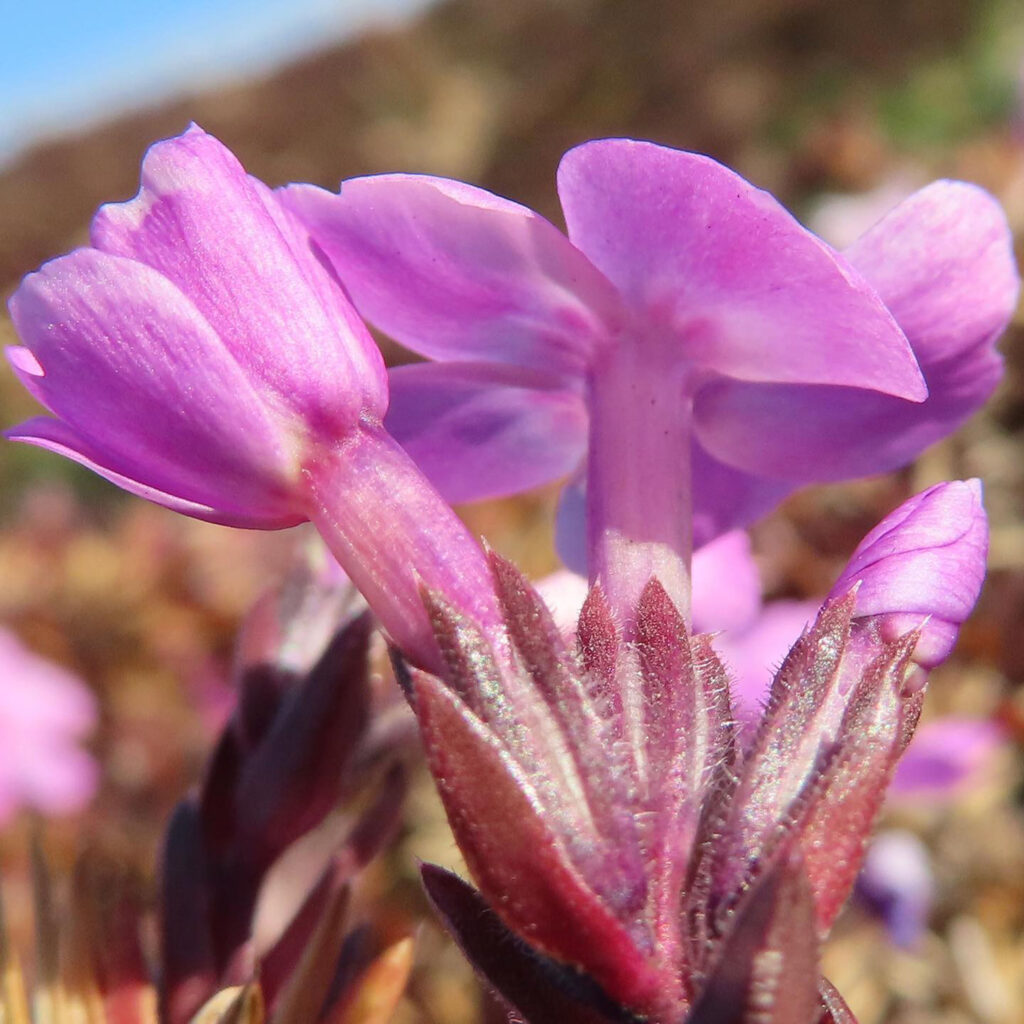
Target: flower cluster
686 354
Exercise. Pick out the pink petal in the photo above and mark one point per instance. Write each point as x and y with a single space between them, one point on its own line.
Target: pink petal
812 434
40 695
58 779
44 713
943 263
753 655
484 431
225 241
454 272
564 592
725 498
234 510
725 273
726 585
146 390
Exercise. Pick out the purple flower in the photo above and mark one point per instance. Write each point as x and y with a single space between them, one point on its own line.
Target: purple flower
922 568
199 353
752 638
196 352
45 714
681 289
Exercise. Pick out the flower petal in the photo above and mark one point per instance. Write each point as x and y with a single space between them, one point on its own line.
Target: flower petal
944 757
454 272
814 434
943 263
147 392
225 241
725 272
485 431
725 498
44 712
726 585
754 655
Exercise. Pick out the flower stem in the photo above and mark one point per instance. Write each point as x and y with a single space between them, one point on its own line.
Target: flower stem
639 505
395 535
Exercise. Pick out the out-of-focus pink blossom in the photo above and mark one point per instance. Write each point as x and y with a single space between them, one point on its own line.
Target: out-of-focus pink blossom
896 882
945 758
45 715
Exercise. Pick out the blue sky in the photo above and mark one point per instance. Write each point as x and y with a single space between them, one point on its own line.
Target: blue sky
65 63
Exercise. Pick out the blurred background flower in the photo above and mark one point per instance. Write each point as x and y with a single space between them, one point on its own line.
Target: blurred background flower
46 714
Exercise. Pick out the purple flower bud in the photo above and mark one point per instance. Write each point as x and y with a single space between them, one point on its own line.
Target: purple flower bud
922 568
196 352
199 353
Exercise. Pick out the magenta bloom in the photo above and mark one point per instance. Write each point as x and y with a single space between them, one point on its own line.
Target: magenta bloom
676 270
45 714
922 568
946 757
199 353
